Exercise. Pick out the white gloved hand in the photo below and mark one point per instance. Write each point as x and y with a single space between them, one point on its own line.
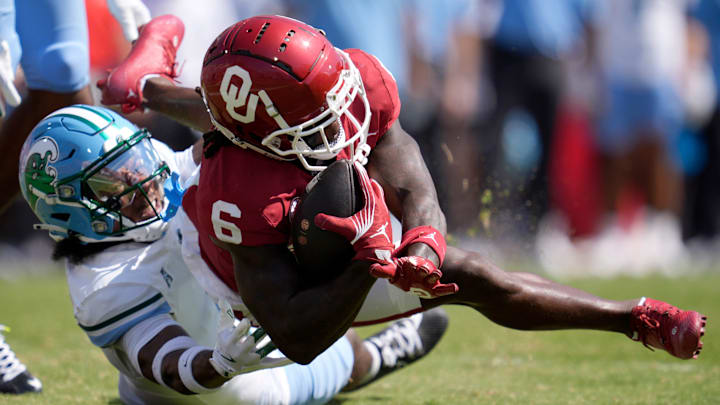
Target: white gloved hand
7 77
237 351
131 14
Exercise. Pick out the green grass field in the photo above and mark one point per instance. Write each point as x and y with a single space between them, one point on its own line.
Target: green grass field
476 363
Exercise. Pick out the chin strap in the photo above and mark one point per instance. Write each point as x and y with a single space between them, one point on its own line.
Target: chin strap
245 145
57 233
362 153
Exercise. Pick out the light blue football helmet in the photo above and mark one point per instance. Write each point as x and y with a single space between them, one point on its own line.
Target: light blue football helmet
87 171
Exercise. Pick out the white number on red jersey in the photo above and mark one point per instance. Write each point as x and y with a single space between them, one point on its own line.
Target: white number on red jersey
226 231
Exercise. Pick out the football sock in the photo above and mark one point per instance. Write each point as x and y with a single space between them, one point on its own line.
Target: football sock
374 365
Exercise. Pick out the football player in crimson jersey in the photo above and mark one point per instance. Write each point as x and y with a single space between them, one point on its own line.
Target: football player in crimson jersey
283 103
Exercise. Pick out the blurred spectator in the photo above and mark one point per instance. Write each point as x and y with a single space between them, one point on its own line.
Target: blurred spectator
651 85
444 99
702 205
524 61
641 49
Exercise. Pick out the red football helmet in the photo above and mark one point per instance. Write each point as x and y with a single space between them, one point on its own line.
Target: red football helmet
305 86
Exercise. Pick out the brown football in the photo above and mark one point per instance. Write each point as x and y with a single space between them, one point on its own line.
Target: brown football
334 191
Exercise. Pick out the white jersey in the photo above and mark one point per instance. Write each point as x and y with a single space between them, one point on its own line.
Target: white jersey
127 283
116 289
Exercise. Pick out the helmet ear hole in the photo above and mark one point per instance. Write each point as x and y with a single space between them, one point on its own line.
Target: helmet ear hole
99 227
60 216
66 191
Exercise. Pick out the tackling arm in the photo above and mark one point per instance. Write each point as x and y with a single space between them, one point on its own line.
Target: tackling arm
161 350
302 320
155 347
167 365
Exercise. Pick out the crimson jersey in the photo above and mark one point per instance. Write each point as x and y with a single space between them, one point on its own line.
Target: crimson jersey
243 197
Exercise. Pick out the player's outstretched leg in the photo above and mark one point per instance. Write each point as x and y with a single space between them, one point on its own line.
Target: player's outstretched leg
403 342
529 302
14 377
663 326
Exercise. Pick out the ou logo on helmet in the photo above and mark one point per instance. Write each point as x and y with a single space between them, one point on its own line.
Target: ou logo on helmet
235 97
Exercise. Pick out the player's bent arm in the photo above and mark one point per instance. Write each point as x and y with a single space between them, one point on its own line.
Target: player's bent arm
181 104
302 320
409 190
159 349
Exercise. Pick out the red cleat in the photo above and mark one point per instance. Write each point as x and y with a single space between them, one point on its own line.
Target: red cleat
152 55
663 326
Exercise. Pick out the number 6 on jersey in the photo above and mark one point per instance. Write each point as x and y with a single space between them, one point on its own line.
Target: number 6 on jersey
226 231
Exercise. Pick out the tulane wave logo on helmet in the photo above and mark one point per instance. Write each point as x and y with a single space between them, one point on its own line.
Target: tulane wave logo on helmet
39 174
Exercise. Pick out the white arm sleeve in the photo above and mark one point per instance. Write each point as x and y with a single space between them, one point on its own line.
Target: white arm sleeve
138 337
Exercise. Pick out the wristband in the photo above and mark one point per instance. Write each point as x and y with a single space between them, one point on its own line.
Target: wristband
424 234
220 367
176 343
185 370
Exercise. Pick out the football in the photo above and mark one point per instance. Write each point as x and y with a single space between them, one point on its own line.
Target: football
334 191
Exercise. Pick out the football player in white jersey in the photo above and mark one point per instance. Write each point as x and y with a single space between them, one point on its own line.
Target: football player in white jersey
106 192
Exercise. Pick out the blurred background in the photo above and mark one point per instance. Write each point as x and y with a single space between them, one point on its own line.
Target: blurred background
582 136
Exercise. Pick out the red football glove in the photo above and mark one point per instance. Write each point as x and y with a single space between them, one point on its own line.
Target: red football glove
369 230
152 55
421 277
